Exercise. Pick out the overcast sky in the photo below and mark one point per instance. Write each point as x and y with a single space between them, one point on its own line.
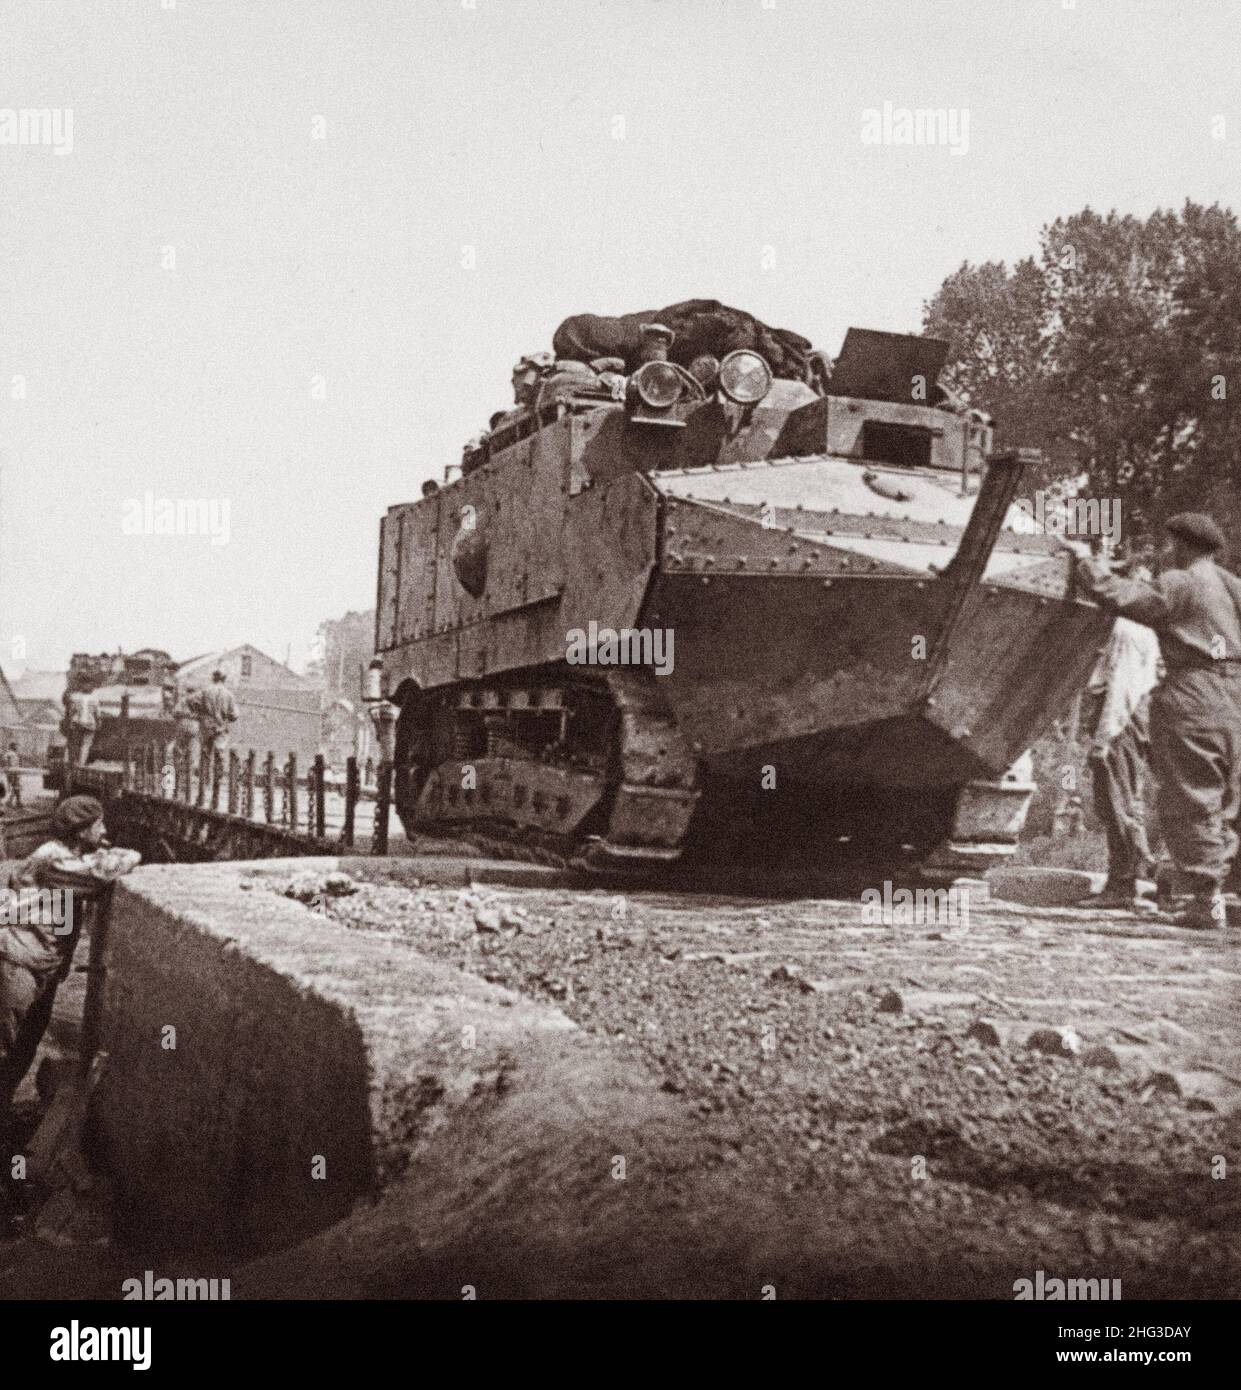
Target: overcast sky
203 299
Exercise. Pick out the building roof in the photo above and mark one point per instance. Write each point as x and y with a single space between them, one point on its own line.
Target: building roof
10 711
40 711
200 667
39 685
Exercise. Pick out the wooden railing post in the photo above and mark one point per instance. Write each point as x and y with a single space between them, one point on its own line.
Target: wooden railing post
269 788
249 786
217 776
126 750
290 796
320 796
234 780
351 799
383 800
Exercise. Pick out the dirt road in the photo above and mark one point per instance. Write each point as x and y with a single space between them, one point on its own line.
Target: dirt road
855 1109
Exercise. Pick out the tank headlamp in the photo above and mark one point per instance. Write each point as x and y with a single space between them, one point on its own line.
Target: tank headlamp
659 385
744 377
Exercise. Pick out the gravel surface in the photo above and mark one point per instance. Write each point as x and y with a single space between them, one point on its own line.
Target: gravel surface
914 1110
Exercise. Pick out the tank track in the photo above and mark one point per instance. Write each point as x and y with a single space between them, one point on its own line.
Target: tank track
658 788
626 785
620 792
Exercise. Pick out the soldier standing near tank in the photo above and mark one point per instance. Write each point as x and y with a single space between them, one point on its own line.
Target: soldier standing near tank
217 709
81 721
185 736
1194 607
1119 719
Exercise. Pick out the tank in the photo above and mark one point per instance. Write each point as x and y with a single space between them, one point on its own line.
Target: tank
137 684
696 609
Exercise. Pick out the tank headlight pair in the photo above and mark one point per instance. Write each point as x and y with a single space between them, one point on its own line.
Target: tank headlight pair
743 376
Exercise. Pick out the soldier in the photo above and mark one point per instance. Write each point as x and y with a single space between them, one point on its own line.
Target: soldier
81 721
527 374
13 776
216 711
36 955
1195 608
1119 716
185 710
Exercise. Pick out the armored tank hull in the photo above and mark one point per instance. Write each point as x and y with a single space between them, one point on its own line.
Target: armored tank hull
130 707
802 626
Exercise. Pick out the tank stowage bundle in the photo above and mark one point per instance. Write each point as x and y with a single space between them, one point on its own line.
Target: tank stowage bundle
699 327
702 591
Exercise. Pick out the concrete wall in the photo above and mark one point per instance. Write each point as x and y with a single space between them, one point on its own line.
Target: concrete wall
295 1040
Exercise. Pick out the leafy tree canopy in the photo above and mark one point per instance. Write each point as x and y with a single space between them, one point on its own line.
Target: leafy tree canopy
1115 350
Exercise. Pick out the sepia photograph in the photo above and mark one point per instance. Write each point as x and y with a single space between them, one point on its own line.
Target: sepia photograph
620 671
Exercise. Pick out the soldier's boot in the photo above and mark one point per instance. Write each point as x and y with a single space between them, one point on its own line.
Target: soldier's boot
1117 893
1206 912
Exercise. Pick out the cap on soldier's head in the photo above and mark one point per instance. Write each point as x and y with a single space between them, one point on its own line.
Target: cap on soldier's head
1197 528
76 813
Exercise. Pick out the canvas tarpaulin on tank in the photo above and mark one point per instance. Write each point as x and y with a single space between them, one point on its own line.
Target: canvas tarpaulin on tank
700 325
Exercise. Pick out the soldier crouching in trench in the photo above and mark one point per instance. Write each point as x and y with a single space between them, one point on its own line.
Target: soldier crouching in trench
35 956
1194 607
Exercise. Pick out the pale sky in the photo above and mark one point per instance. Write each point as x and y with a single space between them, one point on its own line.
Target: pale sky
174 285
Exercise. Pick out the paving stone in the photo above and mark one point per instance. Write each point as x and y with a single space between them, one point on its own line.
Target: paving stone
1012 1035
487 919
1117 1057
1056 1042
1040 887
992 1032
1203 1089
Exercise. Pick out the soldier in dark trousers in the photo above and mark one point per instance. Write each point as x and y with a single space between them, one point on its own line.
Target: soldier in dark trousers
1194 607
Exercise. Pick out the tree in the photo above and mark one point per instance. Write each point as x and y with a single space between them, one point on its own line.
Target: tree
347 644
1115 352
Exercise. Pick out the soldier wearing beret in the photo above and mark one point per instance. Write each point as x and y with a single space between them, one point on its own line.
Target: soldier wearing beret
36 951
1194 606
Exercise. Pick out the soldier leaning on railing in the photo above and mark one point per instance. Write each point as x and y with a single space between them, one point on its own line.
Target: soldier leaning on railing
36 956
